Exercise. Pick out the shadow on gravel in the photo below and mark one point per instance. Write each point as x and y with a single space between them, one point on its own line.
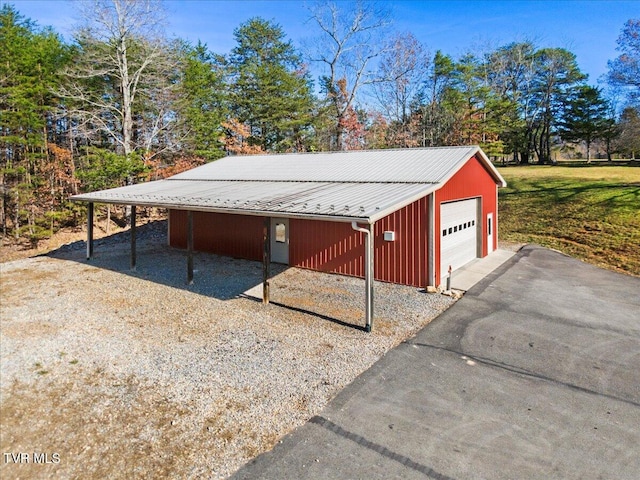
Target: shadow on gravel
223 278
308 312
215 276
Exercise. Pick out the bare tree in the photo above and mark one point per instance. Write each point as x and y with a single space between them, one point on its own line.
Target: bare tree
402 71
351 38
624 71
511 74
120 86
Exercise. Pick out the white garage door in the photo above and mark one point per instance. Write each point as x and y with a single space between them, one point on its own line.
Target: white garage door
458 234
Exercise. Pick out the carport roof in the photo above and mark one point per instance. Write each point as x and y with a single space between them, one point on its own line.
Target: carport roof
363 185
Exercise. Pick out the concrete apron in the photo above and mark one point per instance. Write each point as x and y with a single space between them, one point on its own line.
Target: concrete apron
467 276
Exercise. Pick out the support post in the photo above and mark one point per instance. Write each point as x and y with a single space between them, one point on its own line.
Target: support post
90 231
189 247
370 277
266 259
368 272
133 237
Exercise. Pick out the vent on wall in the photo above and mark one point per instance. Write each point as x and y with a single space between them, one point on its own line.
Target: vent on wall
389 236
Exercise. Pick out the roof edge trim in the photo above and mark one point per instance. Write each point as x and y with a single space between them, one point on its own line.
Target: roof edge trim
253 213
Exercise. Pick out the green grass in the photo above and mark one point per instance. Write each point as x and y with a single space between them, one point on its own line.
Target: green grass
589 212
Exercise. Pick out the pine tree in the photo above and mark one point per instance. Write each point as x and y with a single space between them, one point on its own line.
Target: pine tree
557 73
30 59
270 90
586 117
203 106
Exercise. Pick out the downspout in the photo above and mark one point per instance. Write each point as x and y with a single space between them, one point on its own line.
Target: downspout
368 272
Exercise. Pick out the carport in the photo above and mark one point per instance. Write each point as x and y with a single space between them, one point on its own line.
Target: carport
172 198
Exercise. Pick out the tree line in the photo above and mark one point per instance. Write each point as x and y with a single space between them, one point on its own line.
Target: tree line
122 103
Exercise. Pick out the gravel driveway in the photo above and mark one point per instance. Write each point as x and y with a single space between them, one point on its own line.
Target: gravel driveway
135 374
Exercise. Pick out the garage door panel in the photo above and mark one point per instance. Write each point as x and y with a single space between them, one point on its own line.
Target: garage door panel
458 234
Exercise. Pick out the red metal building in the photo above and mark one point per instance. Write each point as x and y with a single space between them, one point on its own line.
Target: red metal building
403 216
331 246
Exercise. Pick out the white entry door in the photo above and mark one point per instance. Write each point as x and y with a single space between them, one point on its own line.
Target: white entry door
280 240
458 234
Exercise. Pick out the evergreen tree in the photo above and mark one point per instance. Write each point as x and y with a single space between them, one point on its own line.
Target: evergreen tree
586 117
270 90
557 73
434 106
30 59
203 104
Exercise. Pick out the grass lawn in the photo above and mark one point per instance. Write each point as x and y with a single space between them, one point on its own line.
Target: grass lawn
589 212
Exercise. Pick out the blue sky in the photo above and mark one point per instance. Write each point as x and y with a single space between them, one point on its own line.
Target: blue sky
588 28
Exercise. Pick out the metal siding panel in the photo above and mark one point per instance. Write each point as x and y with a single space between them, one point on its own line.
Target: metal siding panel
326 247
431 240
402 261
495 220
237 236
337 248
422 276
414 269
178 232
231 235
418 235
323 246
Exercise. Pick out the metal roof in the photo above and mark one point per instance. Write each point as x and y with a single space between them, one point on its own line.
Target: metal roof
409 165
363 185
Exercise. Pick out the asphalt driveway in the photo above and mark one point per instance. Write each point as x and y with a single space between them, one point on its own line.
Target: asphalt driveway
533 374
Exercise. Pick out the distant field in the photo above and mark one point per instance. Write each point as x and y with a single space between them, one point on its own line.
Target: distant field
589 212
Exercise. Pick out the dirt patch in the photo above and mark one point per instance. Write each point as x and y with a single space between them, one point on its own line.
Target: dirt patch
91 419
15 249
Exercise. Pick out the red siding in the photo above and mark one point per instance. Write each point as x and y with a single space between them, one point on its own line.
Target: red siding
404 260
237 236
336 247
472 180
326 246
